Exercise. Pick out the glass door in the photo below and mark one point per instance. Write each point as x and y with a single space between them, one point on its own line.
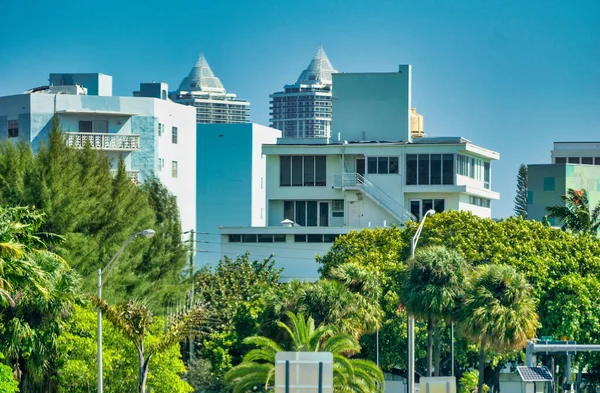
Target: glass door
323 214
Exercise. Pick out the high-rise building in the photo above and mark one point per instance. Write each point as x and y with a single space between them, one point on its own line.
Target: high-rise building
303 110
203 90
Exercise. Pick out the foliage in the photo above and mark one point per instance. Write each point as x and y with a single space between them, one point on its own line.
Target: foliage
95 212
575 214
468 382
38 290
77 370
520 208
432 286
349 375
134 320
8 384
497 311
236 293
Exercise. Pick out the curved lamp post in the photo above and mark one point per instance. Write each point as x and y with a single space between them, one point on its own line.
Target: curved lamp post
107 269
411 318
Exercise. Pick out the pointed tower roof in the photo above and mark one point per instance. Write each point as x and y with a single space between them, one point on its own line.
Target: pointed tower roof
319 69
201 77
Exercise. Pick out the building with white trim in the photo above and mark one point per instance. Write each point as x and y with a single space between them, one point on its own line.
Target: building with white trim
372 173
153 134
205 92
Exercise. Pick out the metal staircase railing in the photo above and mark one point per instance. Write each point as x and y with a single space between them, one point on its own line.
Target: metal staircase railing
357 181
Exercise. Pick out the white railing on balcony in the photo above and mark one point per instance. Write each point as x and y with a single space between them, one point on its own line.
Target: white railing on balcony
103 141
134 176
356 181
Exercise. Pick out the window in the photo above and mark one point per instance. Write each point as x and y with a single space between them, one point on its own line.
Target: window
161 164
424 169
483 202
174 135
315 238
486 175
174 169
298 171
307 213
161 129
587 160
13 128
473 168
418 207
560 160
596 160
573 160
337 208
100 126
549 184
382 165
253 238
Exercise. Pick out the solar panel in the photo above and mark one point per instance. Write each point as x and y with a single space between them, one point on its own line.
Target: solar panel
534 374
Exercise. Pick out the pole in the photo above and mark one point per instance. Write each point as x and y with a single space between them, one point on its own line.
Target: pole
452 346
192 247
411 339
99 332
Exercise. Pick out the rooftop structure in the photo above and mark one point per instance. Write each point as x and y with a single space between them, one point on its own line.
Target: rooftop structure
204 91
303 109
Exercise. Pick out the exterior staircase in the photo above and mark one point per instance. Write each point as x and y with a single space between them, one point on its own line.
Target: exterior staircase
356 181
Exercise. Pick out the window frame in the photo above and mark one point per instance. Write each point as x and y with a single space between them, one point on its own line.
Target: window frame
12 128
174 169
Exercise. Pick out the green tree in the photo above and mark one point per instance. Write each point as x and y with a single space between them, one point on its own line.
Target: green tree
520 208
77 367
498 311
432 286
8 384
134 319
576 214
350 375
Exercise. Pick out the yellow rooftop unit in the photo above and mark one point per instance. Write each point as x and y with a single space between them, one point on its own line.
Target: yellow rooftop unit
416 124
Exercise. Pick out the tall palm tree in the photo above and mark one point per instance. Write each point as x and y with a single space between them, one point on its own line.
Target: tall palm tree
576 214
432 286
133 319
498 311
349 375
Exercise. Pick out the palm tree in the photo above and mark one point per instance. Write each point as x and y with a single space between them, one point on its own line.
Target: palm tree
349 375
576 214
498 311
432 285
133 319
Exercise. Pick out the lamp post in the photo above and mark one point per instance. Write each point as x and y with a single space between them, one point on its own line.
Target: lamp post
411 318
107 269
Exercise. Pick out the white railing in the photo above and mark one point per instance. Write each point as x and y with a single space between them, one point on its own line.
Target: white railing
103 141
134 176
357 181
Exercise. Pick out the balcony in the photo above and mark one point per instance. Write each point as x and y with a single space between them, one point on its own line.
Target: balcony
110 142
134 176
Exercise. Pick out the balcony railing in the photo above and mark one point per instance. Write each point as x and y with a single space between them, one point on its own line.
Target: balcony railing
120 142
134 176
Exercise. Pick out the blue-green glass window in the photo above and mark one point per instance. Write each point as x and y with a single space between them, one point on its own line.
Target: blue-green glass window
549 184
529 197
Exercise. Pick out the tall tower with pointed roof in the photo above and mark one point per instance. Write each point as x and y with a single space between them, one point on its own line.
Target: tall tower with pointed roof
303 109
203 90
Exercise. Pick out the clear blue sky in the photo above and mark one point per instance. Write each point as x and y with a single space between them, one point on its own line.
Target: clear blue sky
511 76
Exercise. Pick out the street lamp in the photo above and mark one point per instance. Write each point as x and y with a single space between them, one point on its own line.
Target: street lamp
411 318
146 232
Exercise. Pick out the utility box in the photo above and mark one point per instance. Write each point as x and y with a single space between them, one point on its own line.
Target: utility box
437 385
304 372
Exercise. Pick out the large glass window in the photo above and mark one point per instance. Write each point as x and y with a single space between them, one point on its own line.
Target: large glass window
436 169
100 126
382 165
411 169
298 171
424 169
418 207
309 213
560 160
448 169
486 175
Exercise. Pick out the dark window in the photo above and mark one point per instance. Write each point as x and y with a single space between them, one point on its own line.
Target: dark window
248 238
382 165
411 169
573 160
288 210
300 238
372 165
427 204
13 128
309 171
321 170
279 238
285 171
301 213
436 169
587 160
324 214
448 169
393 164
439 205
596 160
311 213
85 126
423 168
265 238
486 175
415 209
562 160
329 238
313 238
235 238
296 171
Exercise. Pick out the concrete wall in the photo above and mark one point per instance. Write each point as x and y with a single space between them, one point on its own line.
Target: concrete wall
260 135
96 84
372 106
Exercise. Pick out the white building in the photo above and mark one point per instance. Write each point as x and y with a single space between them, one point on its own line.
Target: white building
587 153
374 175
303 109
204 91
151 133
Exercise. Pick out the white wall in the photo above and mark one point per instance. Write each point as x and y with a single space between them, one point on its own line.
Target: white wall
260 135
